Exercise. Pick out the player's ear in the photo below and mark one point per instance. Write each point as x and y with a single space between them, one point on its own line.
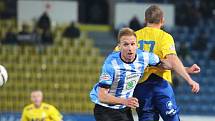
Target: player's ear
119 46
162 21
144 20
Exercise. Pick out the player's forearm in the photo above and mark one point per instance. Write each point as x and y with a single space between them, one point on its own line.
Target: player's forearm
187 69
179 67
166 65
109 99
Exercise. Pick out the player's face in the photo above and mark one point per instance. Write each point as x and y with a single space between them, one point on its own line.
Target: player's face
128 46
36 98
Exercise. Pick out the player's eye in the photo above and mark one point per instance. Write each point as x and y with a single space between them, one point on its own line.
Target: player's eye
125 44
132 44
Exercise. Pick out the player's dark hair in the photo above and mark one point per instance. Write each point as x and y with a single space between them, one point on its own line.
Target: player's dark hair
125 32
153 14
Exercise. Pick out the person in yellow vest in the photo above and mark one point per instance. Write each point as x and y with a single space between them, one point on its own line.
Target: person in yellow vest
154 92
40 111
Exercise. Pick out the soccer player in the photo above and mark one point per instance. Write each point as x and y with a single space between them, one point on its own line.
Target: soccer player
120 73
40 111
154 93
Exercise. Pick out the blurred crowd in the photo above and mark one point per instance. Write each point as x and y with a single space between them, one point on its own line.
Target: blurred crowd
190 14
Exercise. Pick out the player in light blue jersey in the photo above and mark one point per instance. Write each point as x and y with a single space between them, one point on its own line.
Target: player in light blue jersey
120 73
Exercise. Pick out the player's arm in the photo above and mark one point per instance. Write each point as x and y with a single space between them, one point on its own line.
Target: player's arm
24 117
168 51
194 69
55 114
105 97
160 63
164 64
181 70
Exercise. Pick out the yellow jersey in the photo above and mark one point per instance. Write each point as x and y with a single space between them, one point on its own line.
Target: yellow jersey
45 112
159 42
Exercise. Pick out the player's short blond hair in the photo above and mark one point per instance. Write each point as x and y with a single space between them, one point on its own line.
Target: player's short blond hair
153 14
125 32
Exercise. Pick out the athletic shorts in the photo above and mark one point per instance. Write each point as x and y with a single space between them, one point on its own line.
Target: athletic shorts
102 113
156 97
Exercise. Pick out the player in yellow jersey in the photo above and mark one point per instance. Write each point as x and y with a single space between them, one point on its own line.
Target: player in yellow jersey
40 111
154 93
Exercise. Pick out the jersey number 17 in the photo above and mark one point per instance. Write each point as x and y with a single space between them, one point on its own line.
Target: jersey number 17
151 45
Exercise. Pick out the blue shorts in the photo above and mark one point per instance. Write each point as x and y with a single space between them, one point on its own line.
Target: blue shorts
155 97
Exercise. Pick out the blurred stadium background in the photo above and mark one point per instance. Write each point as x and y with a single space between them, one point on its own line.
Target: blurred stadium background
39 54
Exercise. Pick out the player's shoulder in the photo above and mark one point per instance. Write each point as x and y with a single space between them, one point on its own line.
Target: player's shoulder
141 53
145 54
29 107
167 35
112 56
47 106
140 31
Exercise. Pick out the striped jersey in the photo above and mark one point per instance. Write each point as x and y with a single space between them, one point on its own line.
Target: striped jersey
159 42
121 77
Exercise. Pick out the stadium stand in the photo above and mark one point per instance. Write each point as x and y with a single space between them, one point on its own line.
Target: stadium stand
65 71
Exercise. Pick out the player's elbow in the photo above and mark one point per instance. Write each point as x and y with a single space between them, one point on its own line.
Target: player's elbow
172 61
165 64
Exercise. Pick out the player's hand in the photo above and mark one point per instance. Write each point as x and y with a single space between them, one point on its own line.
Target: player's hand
194 86
193 69
132 102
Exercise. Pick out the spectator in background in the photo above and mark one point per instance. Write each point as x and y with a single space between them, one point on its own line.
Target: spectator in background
24 36
10 37
47 38
189 15
206 8
184 52
44 23
135 24
201 42
212 53
25 29
71 31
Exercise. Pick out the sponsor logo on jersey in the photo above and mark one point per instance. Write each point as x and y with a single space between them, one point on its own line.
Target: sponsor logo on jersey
131 85
131 81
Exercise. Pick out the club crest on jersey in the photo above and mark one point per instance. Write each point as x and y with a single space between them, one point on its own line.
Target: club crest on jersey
169 105
105 76
172 47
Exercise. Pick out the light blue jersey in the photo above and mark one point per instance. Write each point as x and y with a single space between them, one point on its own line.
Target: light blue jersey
121 77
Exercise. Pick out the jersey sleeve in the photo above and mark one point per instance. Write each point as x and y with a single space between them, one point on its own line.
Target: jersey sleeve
168 46
55 114
24 117
107 75
153 59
